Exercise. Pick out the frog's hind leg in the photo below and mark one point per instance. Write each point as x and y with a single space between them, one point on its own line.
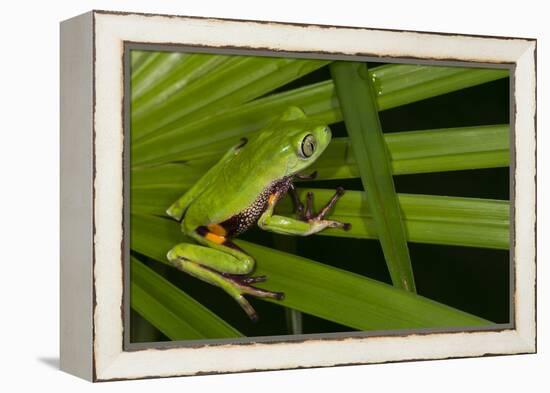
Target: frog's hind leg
225 266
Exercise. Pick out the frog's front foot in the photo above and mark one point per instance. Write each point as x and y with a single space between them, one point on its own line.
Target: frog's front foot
306 213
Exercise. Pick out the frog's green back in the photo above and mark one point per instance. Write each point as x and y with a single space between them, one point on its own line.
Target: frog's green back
246 171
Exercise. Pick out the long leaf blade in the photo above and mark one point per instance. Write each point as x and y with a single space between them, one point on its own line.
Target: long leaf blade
401 84
171 310
159 85
239 80
411 152
318 101
348 299
425 151
431 219
356 97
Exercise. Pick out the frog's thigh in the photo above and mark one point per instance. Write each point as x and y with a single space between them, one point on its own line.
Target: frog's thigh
215 259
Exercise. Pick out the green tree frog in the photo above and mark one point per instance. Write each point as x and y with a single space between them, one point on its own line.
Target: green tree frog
241 190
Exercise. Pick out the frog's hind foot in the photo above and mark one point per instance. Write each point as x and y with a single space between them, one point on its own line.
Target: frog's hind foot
236 285
243 287
245 280
242 283
228 271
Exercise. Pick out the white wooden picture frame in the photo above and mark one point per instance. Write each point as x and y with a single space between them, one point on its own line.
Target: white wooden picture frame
93 181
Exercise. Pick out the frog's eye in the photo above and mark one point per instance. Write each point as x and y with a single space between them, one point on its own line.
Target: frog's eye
308 146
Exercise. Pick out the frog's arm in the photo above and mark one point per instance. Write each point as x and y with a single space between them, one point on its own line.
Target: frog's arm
291 226
177 209
308 223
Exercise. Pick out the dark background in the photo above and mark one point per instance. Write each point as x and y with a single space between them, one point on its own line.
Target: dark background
474 280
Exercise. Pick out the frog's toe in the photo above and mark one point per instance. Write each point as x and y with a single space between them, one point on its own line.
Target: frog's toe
346 226
244 280
330 204
248 309
250 290
258 292
279 295
252 280
242 284
263 293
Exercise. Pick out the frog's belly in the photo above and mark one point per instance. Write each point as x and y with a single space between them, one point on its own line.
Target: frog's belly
243 220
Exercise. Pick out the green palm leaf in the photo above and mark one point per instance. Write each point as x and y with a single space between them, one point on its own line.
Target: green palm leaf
188 109
171 310
349 299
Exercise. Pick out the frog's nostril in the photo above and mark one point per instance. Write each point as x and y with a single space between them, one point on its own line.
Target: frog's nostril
327 130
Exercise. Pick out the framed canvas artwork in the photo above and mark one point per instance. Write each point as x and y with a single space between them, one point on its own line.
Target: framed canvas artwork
245 195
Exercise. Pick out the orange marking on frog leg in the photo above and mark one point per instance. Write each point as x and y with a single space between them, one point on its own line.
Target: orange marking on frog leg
215 238
272 199
217 229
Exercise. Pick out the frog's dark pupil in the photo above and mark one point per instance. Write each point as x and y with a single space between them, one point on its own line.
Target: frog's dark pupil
308 145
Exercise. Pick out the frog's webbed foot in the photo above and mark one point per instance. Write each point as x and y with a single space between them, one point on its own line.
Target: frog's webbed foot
305 213
241 286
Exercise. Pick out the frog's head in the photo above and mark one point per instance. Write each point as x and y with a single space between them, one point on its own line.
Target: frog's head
295 140
306 145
